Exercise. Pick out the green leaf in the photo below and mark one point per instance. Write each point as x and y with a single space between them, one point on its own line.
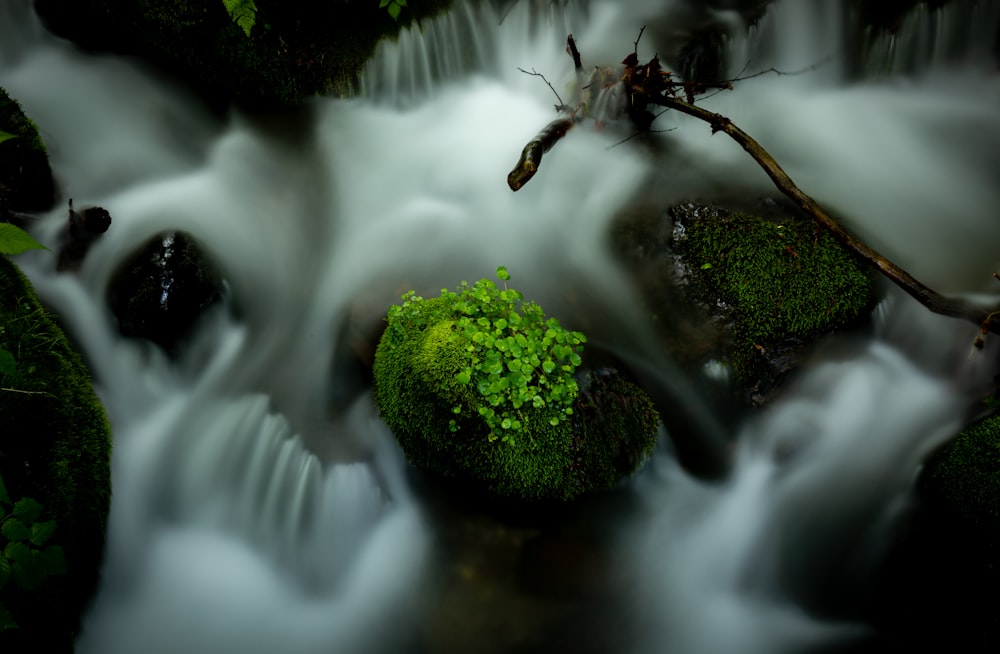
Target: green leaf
8 366
14 240
27 510
29 572
394 10
5 571
706 266
13 529
53 560
16 551
383 3
41 532
501 270
6 136
243 13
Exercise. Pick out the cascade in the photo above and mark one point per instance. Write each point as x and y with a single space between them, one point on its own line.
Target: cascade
250 516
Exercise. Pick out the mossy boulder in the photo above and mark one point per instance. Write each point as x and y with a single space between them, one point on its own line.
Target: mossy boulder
26 182
775 284
294 50
479 387
55 443
963 477
937 592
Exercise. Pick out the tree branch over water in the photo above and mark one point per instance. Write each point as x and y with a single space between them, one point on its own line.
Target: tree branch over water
649 84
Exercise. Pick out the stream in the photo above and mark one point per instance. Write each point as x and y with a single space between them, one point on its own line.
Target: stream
260 505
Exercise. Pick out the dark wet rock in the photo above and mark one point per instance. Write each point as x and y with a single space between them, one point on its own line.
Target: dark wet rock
161 291
82 229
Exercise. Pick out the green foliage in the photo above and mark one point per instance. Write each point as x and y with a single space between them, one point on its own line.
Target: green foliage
243 13
14 240
781 280
394 7
514 367
6 136
25 558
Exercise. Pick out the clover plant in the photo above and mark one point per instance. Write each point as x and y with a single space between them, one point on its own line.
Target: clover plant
516 366
24 557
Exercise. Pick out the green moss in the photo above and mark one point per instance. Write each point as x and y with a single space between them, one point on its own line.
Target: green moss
782 280
26 182
54 447
963 477
479 387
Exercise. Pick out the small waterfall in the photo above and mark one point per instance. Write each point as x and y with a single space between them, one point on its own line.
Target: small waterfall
960 32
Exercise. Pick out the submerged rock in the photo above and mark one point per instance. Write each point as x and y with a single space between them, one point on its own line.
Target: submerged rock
162 290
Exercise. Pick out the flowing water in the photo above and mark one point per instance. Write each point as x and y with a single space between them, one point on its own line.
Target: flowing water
260 505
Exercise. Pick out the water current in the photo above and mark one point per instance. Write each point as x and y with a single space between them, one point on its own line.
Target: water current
249 516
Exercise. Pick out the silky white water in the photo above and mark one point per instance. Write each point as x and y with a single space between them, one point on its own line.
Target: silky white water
248 516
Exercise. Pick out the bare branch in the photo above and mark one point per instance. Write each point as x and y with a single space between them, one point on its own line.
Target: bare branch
635 44
531 155
952 307
573 52
533 73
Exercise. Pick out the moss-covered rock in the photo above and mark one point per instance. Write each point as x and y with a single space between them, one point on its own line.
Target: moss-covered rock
54 448
780 284
294 50
479 387
26 183
937 592
963 477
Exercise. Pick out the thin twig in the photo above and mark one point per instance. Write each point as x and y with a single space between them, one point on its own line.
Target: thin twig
534 73
783 73
635 44
635 134
952 307
18 390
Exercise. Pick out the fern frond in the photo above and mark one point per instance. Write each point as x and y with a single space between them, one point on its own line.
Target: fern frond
243 13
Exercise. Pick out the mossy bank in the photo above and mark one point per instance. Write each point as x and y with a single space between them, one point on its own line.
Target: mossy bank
55 444
480 388
55 440
26 182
